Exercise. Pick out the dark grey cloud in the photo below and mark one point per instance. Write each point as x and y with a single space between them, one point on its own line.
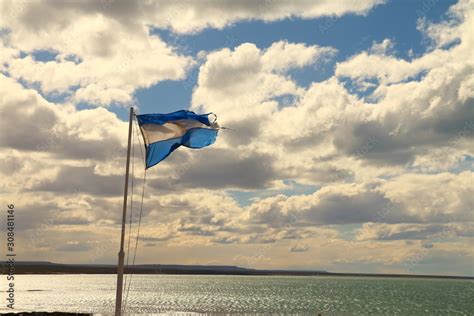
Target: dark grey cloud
57 14
107 209
310 139
153 240
223 169
100 149
398 137
420 232
372 141
73 246
427 245
26 124
33 126
262 234
45 215
82 180
216 168
320 172
190 229
241 132
298 248
370 203
52 13
330 209
343 209
11 165
37 223
226 239
457 121
35 215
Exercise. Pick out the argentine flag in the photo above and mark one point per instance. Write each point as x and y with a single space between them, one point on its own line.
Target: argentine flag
163 133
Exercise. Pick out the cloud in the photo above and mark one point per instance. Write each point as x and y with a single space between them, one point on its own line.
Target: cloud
332 205
180 16
444 115
388 69
438 232
242 84
42 127
406 199
112 61
327 120
448 31
11 165
76 180
34 117
427 197
226 169
248 78
73 246
104 51
435 88
373 161
299 248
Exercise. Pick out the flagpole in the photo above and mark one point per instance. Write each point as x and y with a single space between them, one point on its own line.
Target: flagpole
121 254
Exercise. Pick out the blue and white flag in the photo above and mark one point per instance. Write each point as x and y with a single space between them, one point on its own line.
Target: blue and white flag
163 133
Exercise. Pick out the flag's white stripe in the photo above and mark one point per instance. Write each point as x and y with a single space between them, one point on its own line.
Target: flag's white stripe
154 132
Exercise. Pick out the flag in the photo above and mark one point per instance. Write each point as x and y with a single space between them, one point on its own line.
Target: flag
163 133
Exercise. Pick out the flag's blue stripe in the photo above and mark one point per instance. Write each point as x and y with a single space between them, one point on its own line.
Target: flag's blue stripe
175 116
194 138
199 137
156 152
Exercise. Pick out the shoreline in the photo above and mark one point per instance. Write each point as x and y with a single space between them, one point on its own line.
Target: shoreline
48 268
342 275
45 313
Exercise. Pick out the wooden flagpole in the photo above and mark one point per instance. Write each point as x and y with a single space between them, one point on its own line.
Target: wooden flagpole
121 254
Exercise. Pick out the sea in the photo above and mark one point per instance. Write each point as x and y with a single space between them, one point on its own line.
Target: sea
194 294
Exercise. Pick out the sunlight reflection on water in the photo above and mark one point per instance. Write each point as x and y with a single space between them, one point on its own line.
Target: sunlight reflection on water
244 294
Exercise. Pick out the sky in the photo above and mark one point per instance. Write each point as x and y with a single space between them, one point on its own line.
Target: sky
351 147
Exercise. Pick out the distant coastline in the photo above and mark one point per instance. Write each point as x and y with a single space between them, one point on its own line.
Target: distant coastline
44 267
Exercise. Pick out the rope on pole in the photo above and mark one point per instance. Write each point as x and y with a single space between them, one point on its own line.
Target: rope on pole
139 224
131 213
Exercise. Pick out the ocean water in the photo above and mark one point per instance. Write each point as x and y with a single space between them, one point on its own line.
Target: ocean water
244 294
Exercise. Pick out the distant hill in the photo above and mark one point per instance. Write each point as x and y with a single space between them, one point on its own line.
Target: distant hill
45 267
